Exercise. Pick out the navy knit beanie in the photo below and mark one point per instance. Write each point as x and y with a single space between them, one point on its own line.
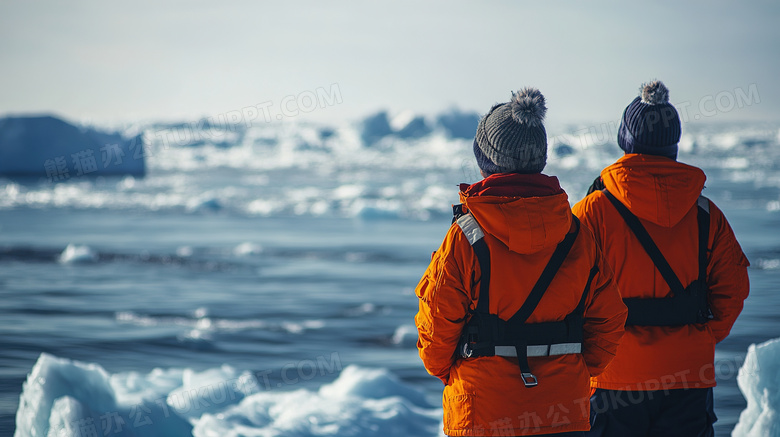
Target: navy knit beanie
511 138
650 124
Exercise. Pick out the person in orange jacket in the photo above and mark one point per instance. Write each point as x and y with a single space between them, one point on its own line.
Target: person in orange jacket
518 308
680 271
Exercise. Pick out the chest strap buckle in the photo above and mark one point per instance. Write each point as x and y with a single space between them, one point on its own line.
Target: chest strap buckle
529 379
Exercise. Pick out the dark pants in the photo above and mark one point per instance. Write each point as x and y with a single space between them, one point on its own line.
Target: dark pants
684 413
563 434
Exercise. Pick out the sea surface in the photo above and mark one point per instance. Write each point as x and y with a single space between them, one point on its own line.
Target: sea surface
269 272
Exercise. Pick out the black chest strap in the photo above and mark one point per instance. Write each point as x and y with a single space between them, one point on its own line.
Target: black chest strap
685 305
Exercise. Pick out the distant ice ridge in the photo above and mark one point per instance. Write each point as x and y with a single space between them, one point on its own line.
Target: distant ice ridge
68 398
759 381
380 168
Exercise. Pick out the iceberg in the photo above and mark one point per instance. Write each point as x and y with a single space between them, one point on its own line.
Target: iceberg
759 381
406 126
375 127
459 124
61 393
69 398
417 127
48 147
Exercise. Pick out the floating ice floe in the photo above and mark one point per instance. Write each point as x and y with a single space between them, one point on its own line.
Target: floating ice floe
184 251
405 335
759 381
200 326
247 248
74 254
203 203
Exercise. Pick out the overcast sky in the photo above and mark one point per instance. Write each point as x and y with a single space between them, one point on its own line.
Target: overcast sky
128 60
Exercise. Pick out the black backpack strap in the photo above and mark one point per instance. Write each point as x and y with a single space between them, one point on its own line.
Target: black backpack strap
703 218
575 321
580 310
535 296
647 243
483 257
468 224
458 211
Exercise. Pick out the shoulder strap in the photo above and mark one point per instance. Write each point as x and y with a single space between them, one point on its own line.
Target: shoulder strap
703 218
580 310
647 243
468 224
552 267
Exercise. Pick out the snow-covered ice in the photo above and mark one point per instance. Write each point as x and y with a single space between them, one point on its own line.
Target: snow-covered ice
759 381
64 397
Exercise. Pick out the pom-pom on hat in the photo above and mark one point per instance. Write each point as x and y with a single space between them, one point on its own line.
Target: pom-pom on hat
511 138
650 124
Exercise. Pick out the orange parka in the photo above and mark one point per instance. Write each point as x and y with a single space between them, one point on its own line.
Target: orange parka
663 194
485 395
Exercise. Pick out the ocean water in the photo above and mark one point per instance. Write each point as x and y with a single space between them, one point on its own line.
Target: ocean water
260 281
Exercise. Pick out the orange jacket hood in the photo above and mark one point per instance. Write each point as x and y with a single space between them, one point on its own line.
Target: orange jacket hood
525 223
654 188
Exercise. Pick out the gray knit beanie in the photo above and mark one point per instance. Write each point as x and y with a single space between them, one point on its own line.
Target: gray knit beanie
511 138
